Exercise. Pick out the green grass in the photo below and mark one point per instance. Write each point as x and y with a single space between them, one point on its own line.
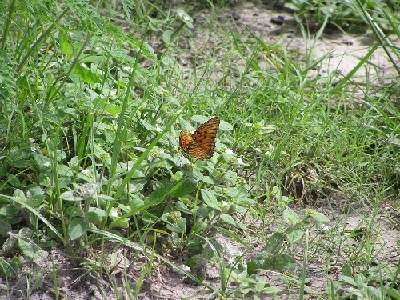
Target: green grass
93 99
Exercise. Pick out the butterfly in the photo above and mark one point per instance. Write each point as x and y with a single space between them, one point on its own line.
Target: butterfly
201 143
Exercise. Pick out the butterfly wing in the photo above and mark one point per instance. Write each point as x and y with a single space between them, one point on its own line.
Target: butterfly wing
189 146
201 143
204 137
185 140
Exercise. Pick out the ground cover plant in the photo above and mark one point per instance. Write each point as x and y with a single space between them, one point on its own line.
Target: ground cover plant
345 14
97 199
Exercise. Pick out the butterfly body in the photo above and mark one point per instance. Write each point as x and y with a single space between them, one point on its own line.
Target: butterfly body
201 143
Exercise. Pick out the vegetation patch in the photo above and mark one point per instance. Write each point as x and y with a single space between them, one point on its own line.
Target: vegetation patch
151 149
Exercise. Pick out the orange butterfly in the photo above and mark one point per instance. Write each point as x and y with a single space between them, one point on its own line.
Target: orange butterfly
201 143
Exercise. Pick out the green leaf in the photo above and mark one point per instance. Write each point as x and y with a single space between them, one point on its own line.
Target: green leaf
183 188
198 227
279 262
185 18
346 270
295 235
29 249
393 293
158 195
291 217
317 216
121 223
72 212
228 219
348 280
155 198
9 269
4 228
240 196
113 109
166 36
76 228
35 200
8 210
96 215
13 180
284 262
274 243
291 6
64 170
178 227
210 199
252 267
64 43
70 196
85 74
20 195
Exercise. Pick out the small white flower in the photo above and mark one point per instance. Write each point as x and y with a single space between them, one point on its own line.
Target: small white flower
325 228
126 68
113 213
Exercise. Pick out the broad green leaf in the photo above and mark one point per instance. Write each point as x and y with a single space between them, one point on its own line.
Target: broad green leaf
29 249
183 188
266 261
35 200
66 47
295 235
70 196
4 228
178 227
121 223
113 109
317 216
291 217
9 268
198 227
86 75
346 270
157 196
166 36
281 262
72 212
240 196
76 228
8 210
228 219
252 267
96 215
274 243
20 195
185 18
210 199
